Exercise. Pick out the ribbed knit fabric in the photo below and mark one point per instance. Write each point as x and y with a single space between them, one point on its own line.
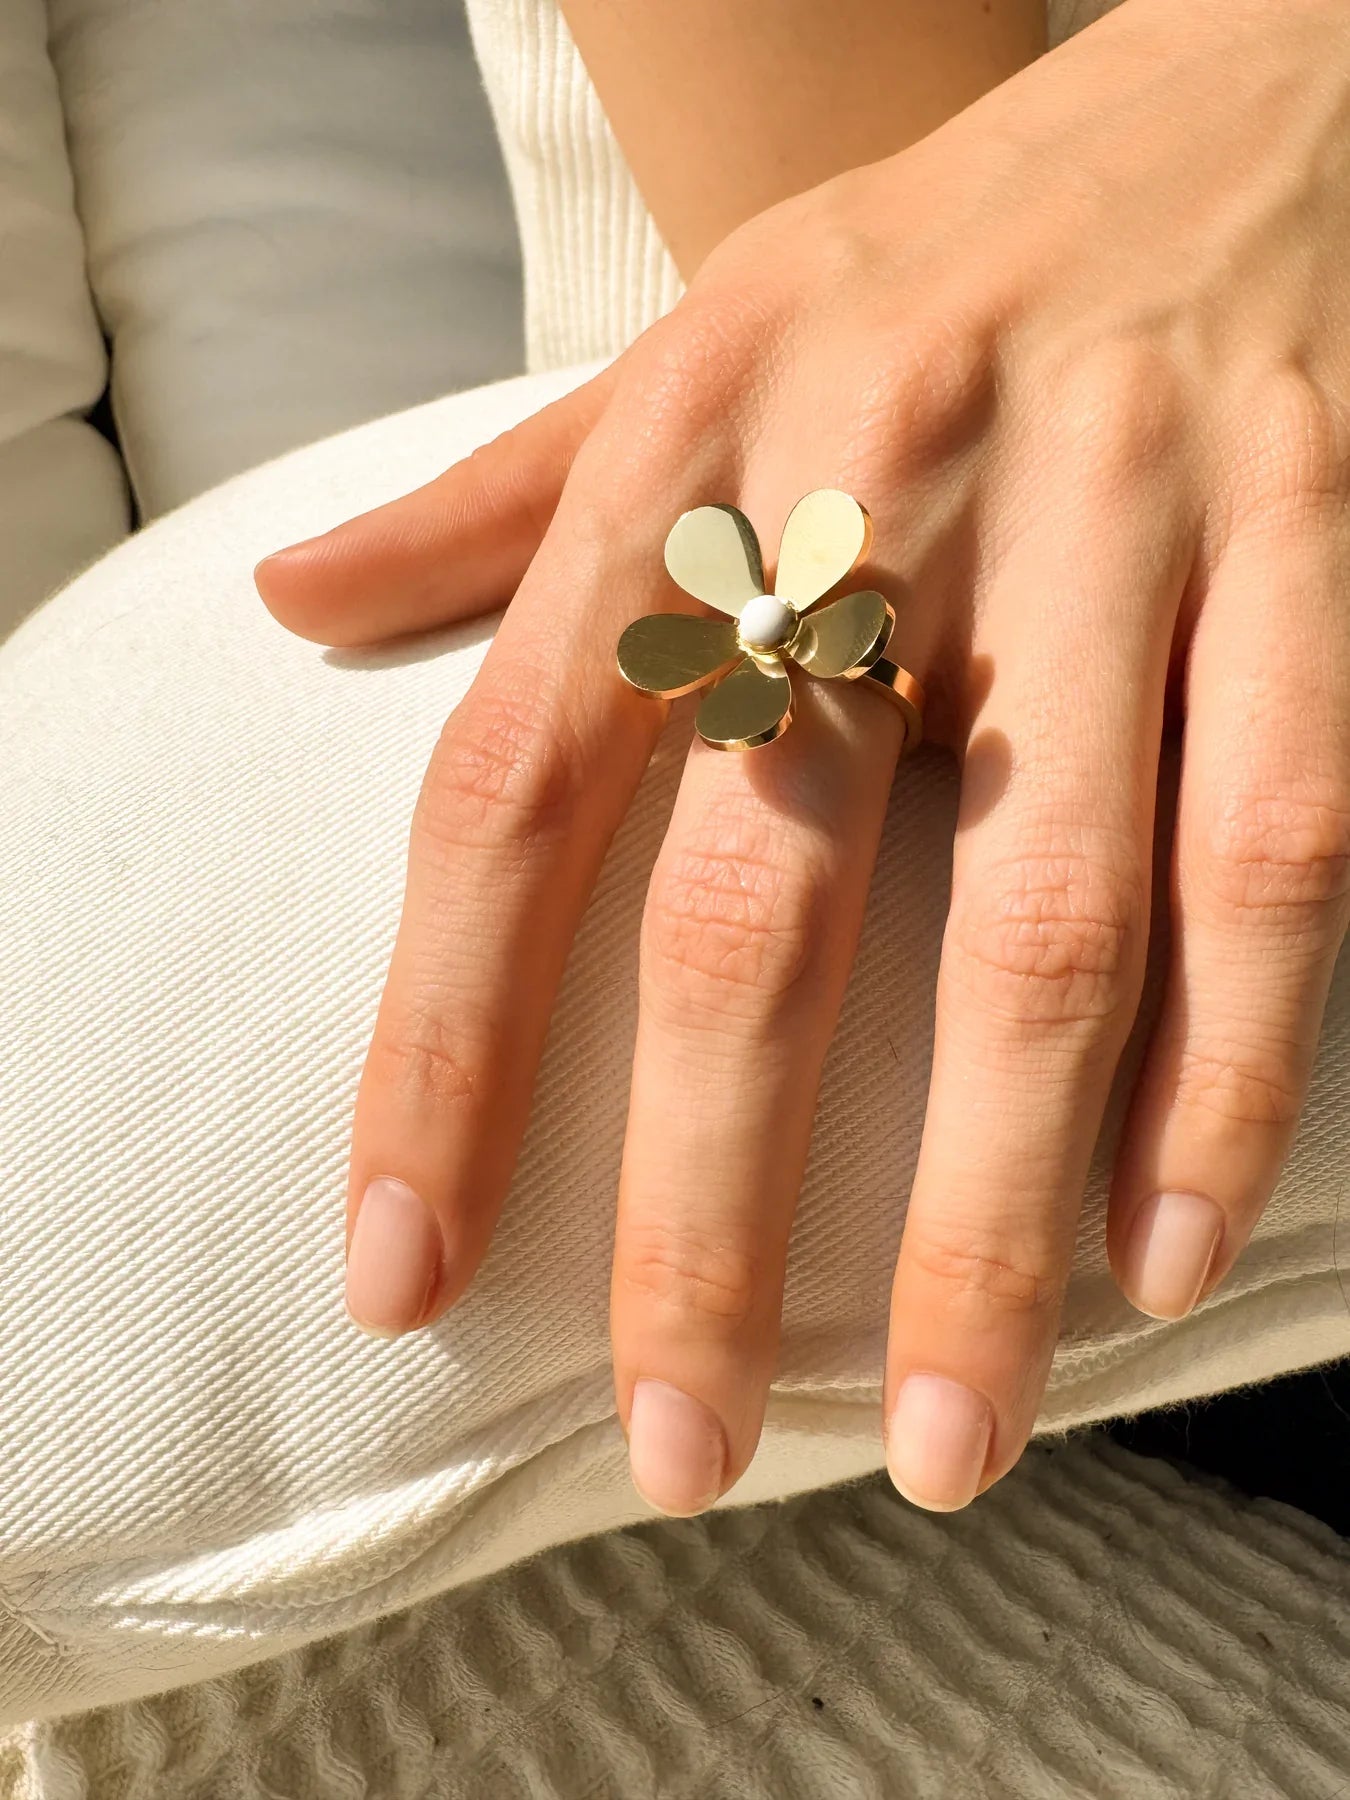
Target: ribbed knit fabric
1098 1629
596 270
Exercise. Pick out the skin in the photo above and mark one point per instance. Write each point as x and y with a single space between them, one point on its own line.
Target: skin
1085 353
765 101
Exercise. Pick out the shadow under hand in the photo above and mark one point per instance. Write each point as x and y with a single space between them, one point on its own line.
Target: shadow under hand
423 646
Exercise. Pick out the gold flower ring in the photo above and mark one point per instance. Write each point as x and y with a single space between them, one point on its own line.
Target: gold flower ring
713 553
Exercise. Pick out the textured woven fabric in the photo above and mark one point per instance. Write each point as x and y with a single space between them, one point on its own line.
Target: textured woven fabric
201 855
1057 1642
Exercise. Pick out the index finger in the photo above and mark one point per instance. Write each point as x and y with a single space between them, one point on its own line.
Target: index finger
453 548
529 781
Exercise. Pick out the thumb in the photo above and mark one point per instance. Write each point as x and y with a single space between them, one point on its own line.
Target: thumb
450 550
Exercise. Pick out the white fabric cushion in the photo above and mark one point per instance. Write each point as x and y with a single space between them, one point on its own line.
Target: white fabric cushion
201 858
296 217
62 495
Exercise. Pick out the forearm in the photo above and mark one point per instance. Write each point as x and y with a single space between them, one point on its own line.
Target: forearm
723 107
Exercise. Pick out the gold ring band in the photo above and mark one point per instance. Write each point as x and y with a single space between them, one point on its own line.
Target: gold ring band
903 690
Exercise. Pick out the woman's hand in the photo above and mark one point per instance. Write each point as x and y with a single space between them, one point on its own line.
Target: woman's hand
1085 354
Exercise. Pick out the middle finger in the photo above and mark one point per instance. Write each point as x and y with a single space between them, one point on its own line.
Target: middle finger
751 925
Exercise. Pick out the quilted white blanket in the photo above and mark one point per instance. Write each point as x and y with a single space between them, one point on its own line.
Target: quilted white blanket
1096 1629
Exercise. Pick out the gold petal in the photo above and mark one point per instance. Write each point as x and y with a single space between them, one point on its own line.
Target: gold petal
752 706
674 653
826 534
714 555
845 637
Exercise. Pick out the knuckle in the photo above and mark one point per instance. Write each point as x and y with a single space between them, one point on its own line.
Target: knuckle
674 410
1119 411
1238 1085
1293 452
1047 940
687 1268
501 478
690 368
733 924
922 400
422 1058
1276 853
979 1269
506 773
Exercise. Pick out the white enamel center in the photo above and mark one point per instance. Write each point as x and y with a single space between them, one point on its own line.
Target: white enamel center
767 623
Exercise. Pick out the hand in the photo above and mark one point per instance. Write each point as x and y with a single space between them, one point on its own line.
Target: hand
1085 354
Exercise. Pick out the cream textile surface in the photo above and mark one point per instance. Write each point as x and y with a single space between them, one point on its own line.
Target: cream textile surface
201 853
1097 1628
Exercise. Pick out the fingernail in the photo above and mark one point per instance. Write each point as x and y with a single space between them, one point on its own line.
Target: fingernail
1170 1251
394 1262
676 1449
937 1441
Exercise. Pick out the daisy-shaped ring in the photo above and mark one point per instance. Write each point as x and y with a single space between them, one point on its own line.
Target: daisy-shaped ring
743 657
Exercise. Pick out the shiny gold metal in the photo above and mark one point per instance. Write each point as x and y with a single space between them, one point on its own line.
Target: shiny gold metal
674 653
713 553
752 706
843 637
827 534
903 690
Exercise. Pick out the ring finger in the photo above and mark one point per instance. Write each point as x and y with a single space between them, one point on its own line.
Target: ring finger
1041 965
